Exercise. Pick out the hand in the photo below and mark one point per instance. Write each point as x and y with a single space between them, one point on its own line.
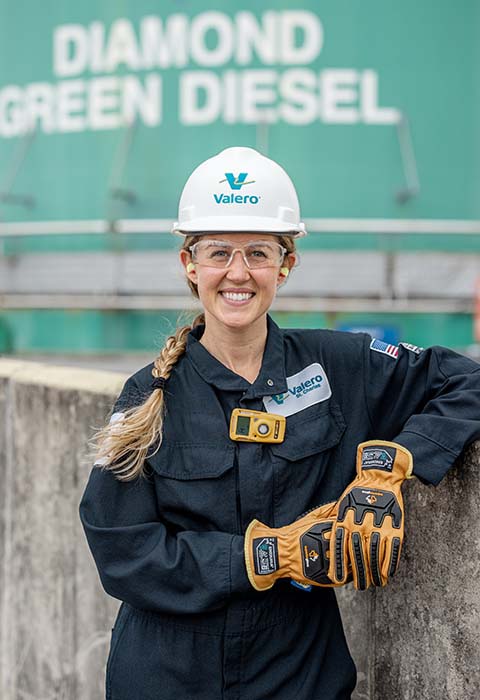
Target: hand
368 533
299 550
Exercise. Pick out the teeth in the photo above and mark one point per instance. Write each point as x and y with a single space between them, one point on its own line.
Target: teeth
237 296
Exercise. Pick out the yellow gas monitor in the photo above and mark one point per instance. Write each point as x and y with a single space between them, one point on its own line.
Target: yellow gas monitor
256 426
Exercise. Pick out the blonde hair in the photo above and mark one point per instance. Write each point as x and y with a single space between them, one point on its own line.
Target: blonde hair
122 445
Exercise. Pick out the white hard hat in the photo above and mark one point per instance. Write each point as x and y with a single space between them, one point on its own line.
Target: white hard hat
239 190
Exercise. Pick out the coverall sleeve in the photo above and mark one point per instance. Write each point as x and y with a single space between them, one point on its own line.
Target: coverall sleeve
140 561
426 400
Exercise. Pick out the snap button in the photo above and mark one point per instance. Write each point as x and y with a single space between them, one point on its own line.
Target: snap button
270 382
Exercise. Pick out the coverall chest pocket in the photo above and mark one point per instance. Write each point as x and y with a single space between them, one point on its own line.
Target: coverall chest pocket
195 485
304 472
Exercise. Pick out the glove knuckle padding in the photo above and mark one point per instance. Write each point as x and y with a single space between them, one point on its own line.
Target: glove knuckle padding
314 546
359 562
395 556
380 503
337 569
375 569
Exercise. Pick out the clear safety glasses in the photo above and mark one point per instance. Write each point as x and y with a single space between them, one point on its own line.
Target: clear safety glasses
256 254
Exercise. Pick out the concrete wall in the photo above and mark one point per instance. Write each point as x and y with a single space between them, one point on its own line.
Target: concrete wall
54 619
417 638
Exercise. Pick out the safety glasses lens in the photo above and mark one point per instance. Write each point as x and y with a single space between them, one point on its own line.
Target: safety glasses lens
216 253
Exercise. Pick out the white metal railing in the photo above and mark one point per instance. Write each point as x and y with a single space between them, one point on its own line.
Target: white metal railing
313 225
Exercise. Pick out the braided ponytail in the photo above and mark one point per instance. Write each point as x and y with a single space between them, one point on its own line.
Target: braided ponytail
122 445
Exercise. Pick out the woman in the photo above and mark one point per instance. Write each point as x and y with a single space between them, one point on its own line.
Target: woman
194 510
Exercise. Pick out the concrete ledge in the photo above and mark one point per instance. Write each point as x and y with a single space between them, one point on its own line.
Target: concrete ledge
71 378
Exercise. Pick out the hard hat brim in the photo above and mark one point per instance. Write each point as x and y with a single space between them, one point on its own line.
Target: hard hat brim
239 224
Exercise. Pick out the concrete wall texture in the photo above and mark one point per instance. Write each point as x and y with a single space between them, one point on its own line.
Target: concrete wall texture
417 638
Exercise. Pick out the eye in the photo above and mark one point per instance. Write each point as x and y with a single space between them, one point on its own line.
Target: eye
214 250
218 253
258 253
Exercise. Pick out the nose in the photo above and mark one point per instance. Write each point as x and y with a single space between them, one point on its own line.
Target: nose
237 269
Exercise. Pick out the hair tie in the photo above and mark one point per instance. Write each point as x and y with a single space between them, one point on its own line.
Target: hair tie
159 383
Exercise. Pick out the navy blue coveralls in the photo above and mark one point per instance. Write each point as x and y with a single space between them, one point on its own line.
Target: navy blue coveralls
171 547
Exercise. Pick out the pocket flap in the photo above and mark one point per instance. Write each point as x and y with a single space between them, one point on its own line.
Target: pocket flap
187 461
308 436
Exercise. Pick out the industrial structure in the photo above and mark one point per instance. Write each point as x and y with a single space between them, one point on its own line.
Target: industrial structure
373 110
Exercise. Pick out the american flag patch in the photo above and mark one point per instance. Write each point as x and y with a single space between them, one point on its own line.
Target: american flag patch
386 348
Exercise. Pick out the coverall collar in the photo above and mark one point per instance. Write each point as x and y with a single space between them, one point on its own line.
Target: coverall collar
271 378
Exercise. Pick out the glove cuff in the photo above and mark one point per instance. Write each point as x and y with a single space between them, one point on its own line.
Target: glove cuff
390 459
261 556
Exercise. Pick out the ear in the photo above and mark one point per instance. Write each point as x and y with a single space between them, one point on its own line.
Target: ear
286 267
189 267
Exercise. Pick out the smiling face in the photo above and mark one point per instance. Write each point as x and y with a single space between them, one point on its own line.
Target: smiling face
236 296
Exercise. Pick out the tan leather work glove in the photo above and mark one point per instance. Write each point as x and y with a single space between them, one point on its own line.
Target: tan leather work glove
298 551
368 533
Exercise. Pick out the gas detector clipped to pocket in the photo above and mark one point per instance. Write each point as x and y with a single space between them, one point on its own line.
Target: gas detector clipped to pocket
256 426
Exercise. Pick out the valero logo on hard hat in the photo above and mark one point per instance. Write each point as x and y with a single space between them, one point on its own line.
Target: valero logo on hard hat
236 183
